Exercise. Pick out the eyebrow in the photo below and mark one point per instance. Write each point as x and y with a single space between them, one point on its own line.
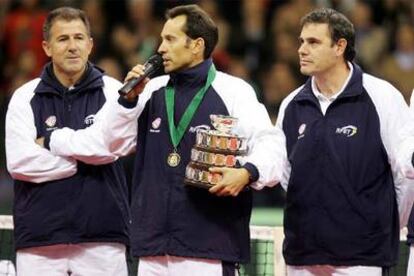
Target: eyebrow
76 34
312 38
167 36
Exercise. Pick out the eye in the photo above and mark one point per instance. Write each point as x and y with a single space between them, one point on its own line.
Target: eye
169 38
312 41
80 37
63 38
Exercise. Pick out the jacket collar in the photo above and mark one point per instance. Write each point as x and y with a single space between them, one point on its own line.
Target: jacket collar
352 89
92 78
193 77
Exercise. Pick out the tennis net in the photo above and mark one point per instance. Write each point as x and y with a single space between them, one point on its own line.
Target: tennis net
267 258
266 250
7 255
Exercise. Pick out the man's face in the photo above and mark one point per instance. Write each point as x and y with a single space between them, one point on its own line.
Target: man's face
317 53
69 46
176 47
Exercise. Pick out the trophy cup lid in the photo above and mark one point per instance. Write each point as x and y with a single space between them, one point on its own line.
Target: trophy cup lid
223 124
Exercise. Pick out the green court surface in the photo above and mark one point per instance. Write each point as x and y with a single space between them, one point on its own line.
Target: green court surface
267 216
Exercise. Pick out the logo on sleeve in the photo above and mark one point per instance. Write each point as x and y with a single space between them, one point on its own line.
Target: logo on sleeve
348 131
90 119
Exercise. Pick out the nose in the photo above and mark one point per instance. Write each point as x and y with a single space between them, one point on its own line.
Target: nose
161 48
72 44
302 49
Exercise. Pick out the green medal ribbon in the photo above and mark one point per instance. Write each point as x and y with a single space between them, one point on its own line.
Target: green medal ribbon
177 133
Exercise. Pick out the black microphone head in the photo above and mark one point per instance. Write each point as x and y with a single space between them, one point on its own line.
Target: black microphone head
155 60
154 65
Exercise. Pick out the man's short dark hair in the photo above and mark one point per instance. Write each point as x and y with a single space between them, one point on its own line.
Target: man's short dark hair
198 24
339 27
67 14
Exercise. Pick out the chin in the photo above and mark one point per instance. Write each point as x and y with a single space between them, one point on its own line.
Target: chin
305 72
74 69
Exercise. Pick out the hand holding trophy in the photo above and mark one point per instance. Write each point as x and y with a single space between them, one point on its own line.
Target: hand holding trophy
214 148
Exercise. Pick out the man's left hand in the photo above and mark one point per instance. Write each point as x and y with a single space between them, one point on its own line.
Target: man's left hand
232 183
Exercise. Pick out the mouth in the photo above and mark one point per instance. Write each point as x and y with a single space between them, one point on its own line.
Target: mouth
165 62
72 58
304 62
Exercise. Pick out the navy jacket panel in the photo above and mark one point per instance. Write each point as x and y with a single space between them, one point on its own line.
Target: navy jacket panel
72 106
410 226
341 207
90 206
170 218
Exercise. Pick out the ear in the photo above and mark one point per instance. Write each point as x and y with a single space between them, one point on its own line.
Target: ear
341 46
90 44
198 46
46 48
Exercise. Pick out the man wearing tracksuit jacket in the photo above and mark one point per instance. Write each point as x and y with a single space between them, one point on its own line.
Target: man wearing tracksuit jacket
410 225
179 230
343 181
71 214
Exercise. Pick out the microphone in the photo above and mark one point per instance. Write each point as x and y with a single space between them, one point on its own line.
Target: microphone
150 66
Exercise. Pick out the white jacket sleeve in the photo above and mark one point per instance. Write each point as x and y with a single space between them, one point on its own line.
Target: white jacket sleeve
284 164
406 170
266 144
26 160
281 162
407 145
113 133
397 133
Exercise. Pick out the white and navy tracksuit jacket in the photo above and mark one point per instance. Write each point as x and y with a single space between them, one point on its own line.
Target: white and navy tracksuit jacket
168 217
410 226
343 180
63 199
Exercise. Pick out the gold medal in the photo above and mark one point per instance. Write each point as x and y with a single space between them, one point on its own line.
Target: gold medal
173 159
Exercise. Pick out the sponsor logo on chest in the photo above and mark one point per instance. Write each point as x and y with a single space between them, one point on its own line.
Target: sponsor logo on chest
347 131
200 127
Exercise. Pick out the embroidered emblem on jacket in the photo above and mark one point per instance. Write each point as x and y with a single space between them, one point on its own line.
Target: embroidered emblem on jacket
51 121
200 127
301 131
348 131
155 125
90 119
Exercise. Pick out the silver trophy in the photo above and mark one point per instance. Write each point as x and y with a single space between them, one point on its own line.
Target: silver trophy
214 148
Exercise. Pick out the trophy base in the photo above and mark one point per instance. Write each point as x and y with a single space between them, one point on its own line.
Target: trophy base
198 184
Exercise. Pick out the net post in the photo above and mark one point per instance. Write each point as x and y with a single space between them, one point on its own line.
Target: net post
6 222
279 265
